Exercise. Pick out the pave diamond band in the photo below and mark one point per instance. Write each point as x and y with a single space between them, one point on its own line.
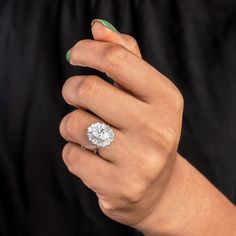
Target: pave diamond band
100 134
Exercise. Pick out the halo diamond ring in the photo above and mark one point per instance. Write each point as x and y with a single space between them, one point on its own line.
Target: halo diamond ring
100 134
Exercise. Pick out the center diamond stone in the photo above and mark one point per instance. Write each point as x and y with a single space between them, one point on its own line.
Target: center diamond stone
100 134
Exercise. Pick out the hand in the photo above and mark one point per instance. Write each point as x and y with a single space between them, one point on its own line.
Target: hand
144 110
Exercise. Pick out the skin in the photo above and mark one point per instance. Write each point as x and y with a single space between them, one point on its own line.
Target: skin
140 180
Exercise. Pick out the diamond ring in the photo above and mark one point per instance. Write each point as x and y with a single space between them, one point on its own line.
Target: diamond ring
100 134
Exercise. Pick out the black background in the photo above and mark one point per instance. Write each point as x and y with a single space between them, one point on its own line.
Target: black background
191 42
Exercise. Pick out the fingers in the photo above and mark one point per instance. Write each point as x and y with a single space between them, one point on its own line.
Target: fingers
103 99
74 126
121 65
94 171
102 33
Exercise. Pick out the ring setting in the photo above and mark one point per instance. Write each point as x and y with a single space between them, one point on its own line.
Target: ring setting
100 134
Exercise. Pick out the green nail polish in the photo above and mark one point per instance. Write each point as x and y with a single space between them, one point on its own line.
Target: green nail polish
105 23
68 56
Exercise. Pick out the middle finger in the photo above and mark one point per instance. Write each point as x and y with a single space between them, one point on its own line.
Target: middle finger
113 105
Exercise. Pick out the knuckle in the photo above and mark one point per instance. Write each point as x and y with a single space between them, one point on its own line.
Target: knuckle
150 169
62 127
87 87
168 141
134 193
72 162
164 141
108 206
66 88
114 53
67 155
170 135
66 150
178 101
72 168
71 123
131 41
75 52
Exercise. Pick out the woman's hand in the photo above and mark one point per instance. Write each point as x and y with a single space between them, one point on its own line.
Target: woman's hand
145 111
140 180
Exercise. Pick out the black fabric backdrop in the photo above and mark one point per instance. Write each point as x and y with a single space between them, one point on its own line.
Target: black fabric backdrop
192 42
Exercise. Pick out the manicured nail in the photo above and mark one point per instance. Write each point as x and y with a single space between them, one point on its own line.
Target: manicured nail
106 24
68 55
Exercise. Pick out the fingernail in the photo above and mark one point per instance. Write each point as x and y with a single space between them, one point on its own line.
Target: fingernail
68 55
106 24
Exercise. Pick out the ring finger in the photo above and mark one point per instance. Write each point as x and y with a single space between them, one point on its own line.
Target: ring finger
74 126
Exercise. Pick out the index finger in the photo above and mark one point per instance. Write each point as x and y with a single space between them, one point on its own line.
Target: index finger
102 33
125 68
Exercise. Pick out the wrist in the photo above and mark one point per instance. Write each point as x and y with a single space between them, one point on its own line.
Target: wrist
160 220
189 205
